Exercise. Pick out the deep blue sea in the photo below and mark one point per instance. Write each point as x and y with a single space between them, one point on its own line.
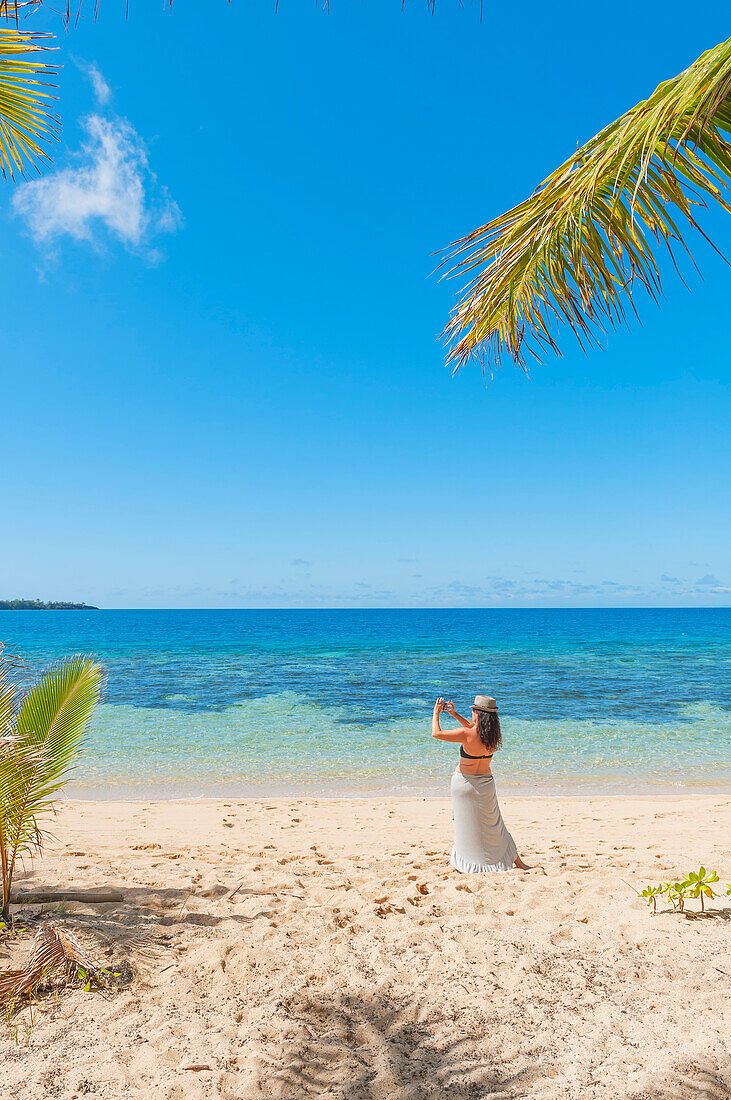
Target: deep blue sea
339 702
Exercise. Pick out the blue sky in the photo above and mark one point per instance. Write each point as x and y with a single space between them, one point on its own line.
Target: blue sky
222 374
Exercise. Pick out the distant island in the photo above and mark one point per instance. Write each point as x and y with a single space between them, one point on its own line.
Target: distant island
39 605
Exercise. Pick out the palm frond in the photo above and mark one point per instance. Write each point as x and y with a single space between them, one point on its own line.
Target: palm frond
51 723
49 726
27 123
10 695
51 948
574 250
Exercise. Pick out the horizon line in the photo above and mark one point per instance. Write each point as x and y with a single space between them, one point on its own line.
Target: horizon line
445 607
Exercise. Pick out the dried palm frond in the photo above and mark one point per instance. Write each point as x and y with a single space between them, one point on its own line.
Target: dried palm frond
12 9
52 948
573 250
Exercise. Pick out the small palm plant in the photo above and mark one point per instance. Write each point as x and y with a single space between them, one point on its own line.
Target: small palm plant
41 730
698 885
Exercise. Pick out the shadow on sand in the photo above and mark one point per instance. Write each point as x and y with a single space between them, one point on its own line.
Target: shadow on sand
708 914
137 928
692 1081
377 1048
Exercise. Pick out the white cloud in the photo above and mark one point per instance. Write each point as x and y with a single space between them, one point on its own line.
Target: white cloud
102 91
109 186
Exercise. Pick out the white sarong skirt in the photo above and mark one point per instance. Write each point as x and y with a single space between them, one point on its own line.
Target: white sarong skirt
481 841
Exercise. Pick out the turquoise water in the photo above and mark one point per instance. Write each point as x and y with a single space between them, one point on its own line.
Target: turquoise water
339 702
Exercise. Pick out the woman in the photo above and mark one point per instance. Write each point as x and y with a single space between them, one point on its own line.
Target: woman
481 841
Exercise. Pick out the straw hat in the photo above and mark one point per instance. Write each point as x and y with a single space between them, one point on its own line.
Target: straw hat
485 702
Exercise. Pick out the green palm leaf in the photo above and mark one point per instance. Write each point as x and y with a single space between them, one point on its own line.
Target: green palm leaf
9 695
574 250
9 700
27 123
49 726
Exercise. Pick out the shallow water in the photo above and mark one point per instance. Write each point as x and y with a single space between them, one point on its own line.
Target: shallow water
318 702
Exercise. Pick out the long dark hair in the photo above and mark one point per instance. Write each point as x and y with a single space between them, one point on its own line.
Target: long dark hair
488 730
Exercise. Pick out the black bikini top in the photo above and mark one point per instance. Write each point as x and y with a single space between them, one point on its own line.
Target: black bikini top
467 756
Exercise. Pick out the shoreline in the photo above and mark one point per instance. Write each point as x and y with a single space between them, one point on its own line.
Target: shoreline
334 799
173 792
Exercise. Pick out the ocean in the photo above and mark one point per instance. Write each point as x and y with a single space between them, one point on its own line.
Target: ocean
319 703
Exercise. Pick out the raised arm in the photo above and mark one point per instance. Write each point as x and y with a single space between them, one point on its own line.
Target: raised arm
443 735
449 707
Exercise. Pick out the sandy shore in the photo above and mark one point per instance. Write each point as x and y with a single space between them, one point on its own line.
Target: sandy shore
352 962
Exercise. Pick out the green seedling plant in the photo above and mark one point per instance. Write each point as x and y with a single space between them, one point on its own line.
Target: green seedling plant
676 894
651 893
101 978
698 885
20 1028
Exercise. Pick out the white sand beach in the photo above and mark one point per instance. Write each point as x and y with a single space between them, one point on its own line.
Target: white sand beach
353 962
